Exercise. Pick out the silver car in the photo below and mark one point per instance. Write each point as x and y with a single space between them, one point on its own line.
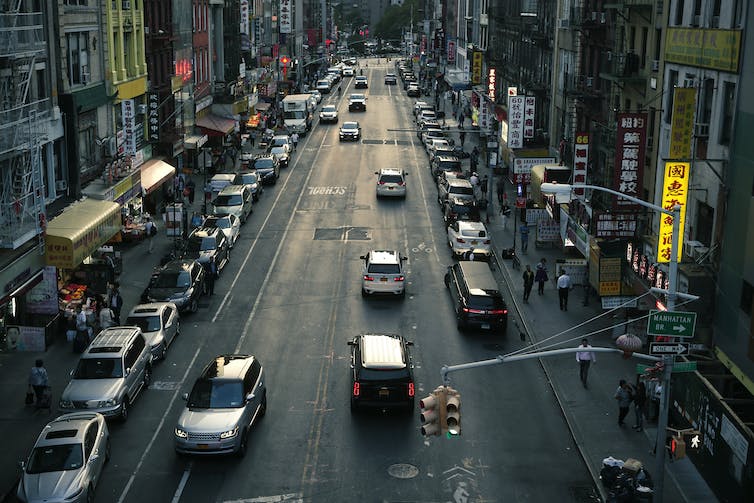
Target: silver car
382 272
67 460
227 399
391 182
159 323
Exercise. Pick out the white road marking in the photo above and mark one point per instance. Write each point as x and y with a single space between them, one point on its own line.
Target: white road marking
293 497
164 385
182 483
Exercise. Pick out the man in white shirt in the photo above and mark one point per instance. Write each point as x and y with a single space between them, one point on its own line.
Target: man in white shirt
585 358
564 285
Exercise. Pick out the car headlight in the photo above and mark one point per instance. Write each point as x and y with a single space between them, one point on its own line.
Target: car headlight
230 433
181 433
65 404
108 403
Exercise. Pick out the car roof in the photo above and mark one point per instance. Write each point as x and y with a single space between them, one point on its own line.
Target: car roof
62 430
111 340
459 182
223 177
149 309
384 257
383 351
390 171
231 189
228 366
281 137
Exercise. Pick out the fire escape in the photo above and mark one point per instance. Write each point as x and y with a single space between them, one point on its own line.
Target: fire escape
23 126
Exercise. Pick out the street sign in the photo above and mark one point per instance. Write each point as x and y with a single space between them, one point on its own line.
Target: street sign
660 348
671 323
678 367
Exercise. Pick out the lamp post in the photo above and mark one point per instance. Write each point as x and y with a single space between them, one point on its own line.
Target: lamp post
668 360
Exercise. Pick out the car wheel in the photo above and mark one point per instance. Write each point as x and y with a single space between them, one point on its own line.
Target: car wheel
402 295
244 441
195 304
124 410
364 293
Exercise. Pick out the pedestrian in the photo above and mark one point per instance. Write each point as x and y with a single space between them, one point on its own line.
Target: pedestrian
106 316
528 282
462 134
294 139
640 400
211 270
540 277
253 137
81 339
461 117
474 179
150 230
505 211
585 358
38 380
624 397
483 183
564 285
501 192
116 302
524 230
191 186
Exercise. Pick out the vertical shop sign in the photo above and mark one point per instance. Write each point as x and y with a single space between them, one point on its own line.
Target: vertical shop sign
285 16
451 51
529 107
244 21
682 122
153 116
580 161
630 148
675 188
515 121
128 113
476 67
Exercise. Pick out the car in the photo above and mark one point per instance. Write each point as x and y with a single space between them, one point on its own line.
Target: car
408 80
442 163
267 167
433 143
426 114
350 61
236 200
466 236
110 374
348 71
382 272
67 459
229 224
391 182
160 324
206 242
252 180
420 105
350 130
329 113
282 155
390 79
460 209
324 86
181 282
476 297
225 402
281 140
221 180
357 102
361 82
456 187
382 372
317 95
413 90
432 133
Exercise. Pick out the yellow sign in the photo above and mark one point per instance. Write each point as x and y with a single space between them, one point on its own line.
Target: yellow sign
609 276
675 188
476 67
705 48
682 122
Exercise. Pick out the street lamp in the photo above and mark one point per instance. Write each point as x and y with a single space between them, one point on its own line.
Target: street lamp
558 189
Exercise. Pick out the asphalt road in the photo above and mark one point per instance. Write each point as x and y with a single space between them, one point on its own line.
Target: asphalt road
291 296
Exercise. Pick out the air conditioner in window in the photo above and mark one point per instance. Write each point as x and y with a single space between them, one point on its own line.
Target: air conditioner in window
697 21
126 4
594 15
602 18
655 65
142 109
61 185
689 83
564 24
701 130
715 22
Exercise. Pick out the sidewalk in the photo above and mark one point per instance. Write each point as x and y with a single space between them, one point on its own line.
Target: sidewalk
591 414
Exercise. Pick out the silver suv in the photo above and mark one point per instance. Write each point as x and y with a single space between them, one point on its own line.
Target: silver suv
382 272
110 374
225 402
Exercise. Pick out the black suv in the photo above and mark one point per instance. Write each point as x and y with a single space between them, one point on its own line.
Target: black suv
267 167
460 209
181 282
206 242
382 374
476 297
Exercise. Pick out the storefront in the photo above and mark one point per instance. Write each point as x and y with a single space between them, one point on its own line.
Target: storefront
155 174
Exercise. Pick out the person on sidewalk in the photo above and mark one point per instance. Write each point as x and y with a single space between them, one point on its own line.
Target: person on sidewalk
564 286
191 186
624 397
253 137
116 302
106 316
540 277
38 380
462 134
474 179
211 268
640 400
294 140
150 231
501 192
528 282
505 212
524 230
585 358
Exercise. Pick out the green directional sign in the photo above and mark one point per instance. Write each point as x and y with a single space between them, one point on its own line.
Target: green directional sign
671 323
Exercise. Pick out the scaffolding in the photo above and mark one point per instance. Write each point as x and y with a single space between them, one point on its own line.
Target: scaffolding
24 126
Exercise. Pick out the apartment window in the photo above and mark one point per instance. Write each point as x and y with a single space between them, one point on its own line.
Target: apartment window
709 91
747 295
672 82
75 2
738 13
679 8
726 121
651 119
78 58
87 129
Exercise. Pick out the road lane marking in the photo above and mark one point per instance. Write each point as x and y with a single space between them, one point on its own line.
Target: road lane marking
182 483
292 497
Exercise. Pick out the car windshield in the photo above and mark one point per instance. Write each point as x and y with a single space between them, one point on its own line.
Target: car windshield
391 178
279 142
461 190
264 163
55 458
197 244
350 126
464 210
357 97
145 323
294 114
329 108
486 302
228 200
323 83
278 150
450 165
245 178
216 394
172 279
223 223
98 368
384 269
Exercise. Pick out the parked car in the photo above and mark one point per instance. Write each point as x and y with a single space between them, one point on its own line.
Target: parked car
229 224
67 460
181 282
455 187
236 200
460 209
445 164
227 399
317 96
324 86
382 272
348 71
267 167
220 181
350 131
281 140
160 324
329 113
110 374
413 90
252 180
391 182
476 297
282 155
206 242
464 236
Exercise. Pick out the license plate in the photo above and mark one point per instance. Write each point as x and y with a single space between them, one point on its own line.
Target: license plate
474 242
384 393
486 326
383 279
202 446
390 188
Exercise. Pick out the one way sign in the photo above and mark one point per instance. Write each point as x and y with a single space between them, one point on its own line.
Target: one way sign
660 348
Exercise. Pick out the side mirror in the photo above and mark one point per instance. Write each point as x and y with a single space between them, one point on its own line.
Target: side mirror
250 397
128 371
351 343
363 257
185 396
409 343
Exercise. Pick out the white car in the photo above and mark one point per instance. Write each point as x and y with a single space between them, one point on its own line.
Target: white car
329 113
434 143
281 140
391 182
348 71
382 272
324 86
230 225
160 324
464 236
317 95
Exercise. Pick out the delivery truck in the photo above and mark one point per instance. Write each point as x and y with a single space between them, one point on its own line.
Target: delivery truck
296 115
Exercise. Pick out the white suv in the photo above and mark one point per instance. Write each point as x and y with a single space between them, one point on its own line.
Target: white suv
391 182
382 272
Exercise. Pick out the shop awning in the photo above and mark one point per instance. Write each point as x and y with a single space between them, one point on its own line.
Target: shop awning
215 123
261 106
154 173
82 228
457 81
24 287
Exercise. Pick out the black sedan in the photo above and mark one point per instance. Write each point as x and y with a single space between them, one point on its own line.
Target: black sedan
181 282
267 167
350 131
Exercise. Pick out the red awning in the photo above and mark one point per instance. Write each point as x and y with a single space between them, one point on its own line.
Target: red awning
219 125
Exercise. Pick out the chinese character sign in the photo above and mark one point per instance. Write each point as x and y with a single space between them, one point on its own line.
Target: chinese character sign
516 121
491 83
244 21
476 67
285 19
675 188
631 139
451 51
153 116
580 161
128 113
529 105
682 122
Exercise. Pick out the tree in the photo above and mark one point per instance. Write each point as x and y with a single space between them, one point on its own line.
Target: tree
396 20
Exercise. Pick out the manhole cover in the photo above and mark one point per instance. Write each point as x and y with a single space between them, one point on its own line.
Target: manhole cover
403 471
373 142
404 142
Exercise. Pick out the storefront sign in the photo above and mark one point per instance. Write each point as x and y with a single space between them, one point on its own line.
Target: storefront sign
615 225
516 121
573 233
529 109
491 84
675 187
523 165
244 21
128 113
153 116
645 268
451 51
609 276
285 17
629 157
682 122
580 161
476 67
27 338
706 48
43 298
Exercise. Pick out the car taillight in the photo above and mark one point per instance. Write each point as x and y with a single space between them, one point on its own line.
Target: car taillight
499 311
473 311
401 184
410 389
460 240
399 278
356 388
368 278
380 183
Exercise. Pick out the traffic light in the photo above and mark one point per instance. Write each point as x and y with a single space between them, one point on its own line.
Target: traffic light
452 426
284 60
432 412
